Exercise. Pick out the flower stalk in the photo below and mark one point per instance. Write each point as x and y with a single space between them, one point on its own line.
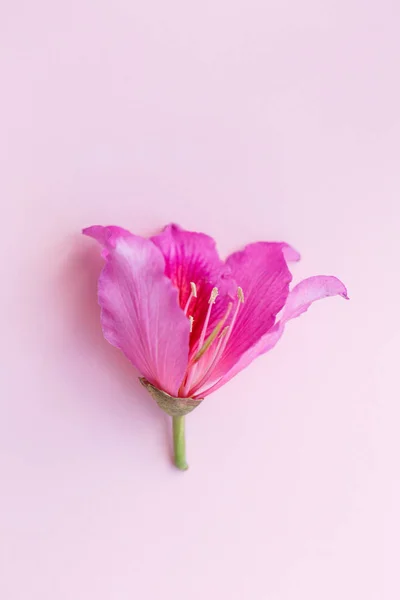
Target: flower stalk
178 431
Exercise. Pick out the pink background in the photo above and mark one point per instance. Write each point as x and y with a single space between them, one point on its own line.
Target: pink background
269 119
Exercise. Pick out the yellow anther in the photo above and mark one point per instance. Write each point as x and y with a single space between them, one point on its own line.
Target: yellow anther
240 294
213 296
194 289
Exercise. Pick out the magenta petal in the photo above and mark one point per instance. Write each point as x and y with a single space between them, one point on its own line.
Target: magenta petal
140 311
261 271
299 300
193 257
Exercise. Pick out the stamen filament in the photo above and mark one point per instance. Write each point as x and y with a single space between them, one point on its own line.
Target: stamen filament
213 296
231 325
212 335
203 364
200 382
191 372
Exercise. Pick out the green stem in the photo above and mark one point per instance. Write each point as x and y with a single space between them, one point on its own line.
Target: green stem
178 428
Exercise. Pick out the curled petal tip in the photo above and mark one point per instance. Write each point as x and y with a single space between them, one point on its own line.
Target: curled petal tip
173 227
335 286
98 232
88 230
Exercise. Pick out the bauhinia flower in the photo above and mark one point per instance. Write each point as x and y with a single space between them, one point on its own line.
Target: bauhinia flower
189 321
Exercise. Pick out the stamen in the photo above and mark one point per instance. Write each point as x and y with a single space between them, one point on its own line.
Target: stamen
191 323
228 334
213 296
192 371
198 387
202 380
194 289
212 335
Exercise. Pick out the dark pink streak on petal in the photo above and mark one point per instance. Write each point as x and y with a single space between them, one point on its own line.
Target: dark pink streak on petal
140 310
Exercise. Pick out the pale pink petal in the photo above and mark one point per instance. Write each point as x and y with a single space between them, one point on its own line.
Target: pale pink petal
140 310
107 236
299 300
261 271
308 291
193 257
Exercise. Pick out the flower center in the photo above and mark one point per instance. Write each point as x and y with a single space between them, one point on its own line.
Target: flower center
208 350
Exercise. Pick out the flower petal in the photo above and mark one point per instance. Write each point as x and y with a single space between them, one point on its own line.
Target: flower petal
299 300
107 236
193 257
308 291
261 271
140 311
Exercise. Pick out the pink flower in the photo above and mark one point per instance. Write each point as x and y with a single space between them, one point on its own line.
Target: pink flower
189 321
